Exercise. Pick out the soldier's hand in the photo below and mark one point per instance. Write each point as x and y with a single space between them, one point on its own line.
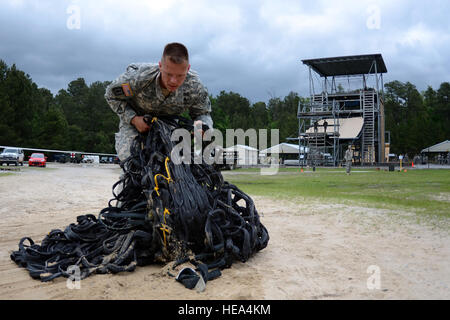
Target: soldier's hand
139 123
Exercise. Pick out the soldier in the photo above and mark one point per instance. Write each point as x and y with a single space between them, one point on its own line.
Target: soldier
167 88
348 157
316 126
325 125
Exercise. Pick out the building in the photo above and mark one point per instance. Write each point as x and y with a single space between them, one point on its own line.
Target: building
248 156
345 107
443 147
283 151
440 151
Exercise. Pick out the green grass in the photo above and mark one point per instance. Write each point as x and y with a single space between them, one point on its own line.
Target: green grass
4 174
418 191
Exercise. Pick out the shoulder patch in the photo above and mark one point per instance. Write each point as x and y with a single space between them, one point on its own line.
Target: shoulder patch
122 91
127 90
117 92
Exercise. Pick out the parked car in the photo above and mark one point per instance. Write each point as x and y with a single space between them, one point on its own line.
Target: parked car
12 156
104 160
90 159
38 160
62 158
75 157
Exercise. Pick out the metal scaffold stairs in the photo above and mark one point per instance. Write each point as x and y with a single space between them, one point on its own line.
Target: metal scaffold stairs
368 138
346 92
316 145
318 99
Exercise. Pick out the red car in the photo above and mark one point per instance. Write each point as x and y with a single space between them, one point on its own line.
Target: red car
37 159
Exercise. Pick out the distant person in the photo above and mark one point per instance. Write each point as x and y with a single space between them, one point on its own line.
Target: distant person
316 126
348 157
167 88
325 125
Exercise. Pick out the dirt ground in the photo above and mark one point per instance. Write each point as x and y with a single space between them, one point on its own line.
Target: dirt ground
316 251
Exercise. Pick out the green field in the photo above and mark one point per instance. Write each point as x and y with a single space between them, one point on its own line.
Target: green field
5 174
425 192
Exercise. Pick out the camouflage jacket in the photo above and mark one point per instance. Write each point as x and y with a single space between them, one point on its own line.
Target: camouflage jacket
348 156
138 92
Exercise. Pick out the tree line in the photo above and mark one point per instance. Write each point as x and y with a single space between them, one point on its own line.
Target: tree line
416 119
79 118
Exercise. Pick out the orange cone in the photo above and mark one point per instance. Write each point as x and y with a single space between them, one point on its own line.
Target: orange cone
412 164
301 170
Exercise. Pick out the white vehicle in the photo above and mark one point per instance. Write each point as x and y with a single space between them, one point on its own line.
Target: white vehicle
90 159
12 156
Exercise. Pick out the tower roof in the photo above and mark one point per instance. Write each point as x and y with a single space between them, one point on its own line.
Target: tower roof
347 65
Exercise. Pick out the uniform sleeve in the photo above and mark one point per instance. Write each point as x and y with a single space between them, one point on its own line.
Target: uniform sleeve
135 76
200 109
120 107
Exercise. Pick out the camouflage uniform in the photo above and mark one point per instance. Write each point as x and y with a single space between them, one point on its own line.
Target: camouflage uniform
138 92
348 157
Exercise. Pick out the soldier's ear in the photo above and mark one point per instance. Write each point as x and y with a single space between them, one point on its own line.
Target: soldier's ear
189 66
159 63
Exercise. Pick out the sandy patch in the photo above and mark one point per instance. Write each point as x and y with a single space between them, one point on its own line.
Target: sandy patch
316 251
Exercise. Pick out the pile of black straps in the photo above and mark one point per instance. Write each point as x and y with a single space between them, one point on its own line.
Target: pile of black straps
161 212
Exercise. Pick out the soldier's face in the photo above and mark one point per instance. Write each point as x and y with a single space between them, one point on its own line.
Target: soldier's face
172 74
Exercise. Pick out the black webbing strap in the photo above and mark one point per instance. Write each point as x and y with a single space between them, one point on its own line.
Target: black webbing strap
163 212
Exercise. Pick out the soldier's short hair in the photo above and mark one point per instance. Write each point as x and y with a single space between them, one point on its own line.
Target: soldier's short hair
176 52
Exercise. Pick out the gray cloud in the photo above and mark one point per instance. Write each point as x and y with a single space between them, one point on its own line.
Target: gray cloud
250 47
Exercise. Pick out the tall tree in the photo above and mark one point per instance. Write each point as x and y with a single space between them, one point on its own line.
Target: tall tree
260 115
233 109
413 118
283 115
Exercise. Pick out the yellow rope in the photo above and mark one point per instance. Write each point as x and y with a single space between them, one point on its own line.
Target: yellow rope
166 211
168 178
164 227
167 169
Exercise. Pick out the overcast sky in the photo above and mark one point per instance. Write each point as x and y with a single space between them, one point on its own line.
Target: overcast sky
251 47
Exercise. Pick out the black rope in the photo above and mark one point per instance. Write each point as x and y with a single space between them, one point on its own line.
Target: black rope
161 212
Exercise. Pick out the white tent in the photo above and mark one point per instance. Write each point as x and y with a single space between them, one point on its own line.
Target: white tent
279 149
248 156
282 148
444 146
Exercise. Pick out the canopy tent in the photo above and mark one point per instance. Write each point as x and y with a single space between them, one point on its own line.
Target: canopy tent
247 155
348 128
281 148
444 146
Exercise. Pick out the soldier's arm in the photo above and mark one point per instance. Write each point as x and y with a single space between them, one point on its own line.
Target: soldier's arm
120 92
117 100
200 108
